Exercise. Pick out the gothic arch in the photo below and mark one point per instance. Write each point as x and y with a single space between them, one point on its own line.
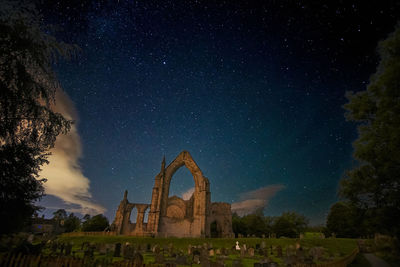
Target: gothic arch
185 159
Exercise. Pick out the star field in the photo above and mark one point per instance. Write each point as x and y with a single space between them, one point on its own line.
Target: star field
253 91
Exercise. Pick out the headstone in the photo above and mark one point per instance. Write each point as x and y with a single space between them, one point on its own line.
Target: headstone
190 250
290 250
181 260
117 250
279 251
128 252
218 251
243 250
211 253
156 249
263 245
316 253
102 249
301 236
204 260
170 249
196 259
300 254
237 247
251 252
223 251
137 260
159 258
68 249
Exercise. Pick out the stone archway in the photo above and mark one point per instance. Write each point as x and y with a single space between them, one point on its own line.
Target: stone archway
190 216
173 216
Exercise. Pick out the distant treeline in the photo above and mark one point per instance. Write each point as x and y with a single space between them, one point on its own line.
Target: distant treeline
289 224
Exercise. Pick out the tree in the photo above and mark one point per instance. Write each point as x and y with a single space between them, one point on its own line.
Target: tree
72 223
342 220
290 224
28 126
96 223
374 184
60 214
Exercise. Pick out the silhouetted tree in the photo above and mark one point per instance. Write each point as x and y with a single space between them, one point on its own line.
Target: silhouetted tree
95 223
28 126
290 224
374 185
72 223
342 219
60 214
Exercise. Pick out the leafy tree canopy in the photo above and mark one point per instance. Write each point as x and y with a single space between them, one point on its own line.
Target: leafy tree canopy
28 126
374 185
95 223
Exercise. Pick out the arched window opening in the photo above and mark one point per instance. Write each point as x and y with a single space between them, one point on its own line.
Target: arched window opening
182 184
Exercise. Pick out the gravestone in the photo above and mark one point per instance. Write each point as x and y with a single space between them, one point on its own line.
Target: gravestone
181 260
138 260
68 249
279 251
290 250
223 251
263 245
237 247
251 252
159 258
243 251
211 253
316 253
190 250
196 259
128 252
218 251
117 250
156 249
102 249
300 254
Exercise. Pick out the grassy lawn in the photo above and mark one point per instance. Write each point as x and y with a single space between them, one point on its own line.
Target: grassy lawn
333 248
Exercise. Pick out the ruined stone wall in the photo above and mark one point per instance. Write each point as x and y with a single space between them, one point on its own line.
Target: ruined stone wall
173 216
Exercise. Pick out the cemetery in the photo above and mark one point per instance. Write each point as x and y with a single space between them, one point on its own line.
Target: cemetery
103 250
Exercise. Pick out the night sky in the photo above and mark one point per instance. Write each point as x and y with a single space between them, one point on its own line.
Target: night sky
253 91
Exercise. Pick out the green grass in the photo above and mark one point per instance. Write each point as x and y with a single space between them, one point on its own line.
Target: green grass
334 248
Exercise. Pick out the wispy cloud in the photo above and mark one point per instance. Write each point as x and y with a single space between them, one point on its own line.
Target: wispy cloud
65 179
253 200
188 194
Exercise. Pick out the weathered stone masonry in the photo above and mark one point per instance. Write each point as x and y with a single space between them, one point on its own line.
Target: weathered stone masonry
173 216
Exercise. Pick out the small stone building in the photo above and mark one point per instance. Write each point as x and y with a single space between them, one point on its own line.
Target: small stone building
173 216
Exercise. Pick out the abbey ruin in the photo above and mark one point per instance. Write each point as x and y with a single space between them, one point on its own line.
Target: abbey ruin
173 216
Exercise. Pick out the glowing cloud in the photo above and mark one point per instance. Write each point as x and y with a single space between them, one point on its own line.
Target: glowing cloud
188 194
63 173
253 200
